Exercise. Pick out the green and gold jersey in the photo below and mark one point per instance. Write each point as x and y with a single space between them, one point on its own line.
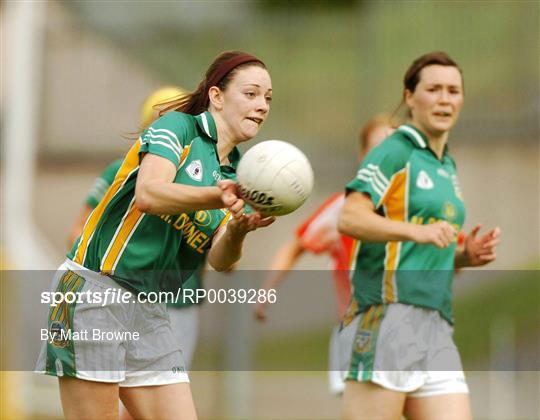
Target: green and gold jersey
407 182
97 192
102 184
143 252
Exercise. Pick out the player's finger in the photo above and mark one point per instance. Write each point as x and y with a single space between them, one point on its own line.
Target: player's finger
266 221
496 232
254 217
227 184
447 236
491 244
484 251
438 242
237 206
448 230
237 217
474 231
228 199
250 221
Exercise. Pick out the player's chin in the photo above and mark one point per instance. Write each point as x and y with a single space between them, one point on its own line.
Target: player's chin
248 133
443 125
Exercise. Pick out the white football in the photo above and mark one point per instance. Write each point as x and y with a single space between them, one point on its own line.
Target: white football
275 177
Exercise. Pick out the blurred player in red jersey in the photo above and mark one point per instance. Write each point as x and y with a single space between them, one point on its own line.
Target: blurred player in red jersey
319 235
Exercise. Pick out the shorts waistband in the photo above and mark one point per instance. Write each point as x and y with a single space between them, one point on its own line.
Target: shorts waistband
90 275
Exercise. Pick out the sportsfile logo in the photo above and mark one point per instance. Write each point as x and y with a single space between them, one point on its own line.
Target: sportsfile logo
193 296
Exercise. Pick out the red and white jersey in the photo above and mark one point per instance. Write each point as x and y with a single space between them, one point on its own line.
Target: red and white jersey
319 234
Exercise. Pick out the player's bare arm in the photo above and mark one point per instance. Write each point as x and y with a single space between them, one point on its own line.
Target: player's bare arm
156 193
227 244
359 220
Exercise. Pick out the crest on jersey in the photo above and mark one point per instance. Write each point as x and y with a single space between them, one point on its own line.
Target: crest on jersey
423 181
449 211
362 341
203 218
195 170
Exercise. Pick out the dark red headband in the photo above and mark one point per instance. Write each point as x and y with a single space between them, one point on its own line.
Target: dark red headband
227 66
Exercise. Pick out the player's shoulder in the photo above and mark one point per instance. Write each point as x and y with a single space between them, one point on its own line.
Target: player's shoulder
175 120
176 127
396 148
397 142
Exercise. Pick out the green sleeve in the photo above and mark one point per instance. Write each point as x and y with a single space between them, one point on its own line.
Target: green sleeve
167 136
376 171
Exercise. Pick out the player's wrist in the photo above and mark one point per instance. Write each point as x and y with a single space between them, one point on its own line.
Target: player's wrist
468 255
235 233
412 232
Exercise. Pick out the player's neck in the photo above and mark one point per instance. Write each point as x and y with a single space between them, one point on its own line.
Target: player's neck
437 143
223 149
225 144
436 139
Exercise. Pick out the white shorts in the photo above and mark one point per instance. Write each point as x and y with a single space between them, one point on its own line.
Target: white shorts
336 376
403 348
185 328
99 338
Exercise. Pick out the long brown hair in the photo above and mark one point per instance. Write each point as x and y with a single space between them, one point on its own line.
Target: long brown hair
412 75
219 73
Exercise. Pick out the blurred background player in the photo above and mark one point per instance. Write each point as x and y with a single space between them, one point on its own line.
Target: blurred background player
405 209
319 235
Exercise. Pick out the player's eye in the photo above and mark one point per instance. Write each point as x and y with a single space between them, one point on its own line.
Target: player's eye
268 99
250 94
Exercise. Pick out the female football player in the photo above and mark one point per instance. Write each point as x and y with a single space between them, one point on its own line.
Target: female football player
405 209
168 207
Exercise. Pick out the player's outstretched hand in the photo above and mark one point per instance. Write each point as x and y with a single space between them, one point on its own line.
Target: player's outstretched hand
441 234
480 250
242 223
